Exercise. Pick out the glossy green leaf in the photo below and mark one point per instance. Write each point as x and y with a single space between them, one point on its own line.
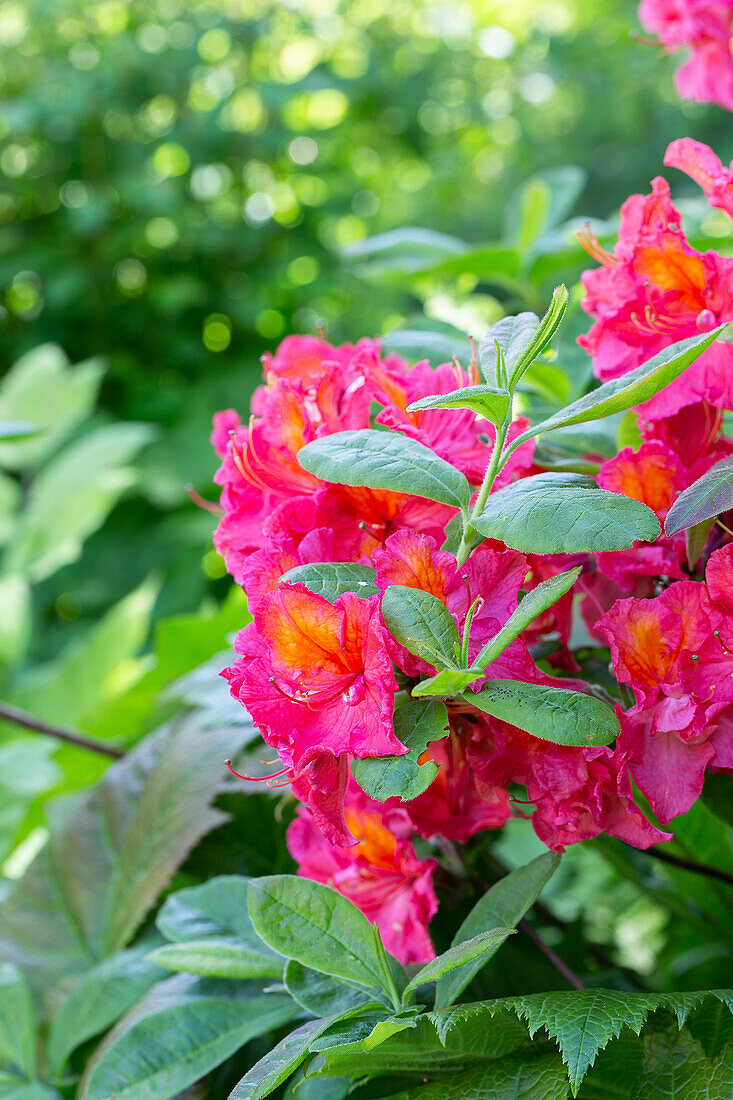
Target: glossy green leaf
421 623
487 401
312 923
536 601
630 389
513 335
475 951
416 724
332 579
216 908
558 513
553 714
155 1056
97 1000
17 1021
548 326
705 499
217 958
385 460
503 904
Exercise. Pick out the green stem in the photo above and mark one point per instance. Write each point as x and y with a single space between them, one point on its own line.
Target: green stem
486 486
389 982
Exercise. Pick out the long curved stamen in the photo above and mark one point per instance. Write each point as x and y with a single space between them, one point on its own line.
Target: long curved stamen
253 778
201 502
318 696
593 247
243 464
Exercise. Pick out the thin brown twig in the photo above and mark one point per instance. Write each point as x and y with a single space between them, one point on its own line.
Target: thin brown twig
20 717
569 975
705 869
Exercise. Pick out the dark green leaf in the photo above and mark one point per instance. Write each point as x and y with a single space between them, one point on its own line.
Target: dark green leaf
633 388
504 904
282 1060
17 1021
487 401
218 958
564 514
554 714
332 579
97 1000
421 623
717 794
705 499
385 460
475 952
416 725
321 994
314 924
516 1077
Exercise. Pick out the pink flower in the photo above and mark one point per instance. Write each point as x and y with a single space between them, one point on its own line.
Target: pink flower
704 26
654 290
669 650
317 680
702 165
380 873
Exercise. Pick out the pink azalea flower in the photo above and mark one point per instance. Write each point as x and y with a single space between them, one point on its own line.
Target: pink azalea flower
380 873
317 680
653 290
703 26
577 793
702 165
669 650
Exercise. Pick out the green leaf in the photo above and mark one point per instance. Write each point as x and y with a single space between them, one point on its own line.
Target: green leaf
217 958
85 894
97 1000
385 1029
447 683
421 623
155 1055
475 951
705 499
675 1067
217 908
332 579
633 388
416 725
314 924
547 328
385 460
503 905
17 1021
717 795
487 401
16 429
536 601
513 335
696 539
516 1077
72 496
321 994
551 713
282 1060
558 513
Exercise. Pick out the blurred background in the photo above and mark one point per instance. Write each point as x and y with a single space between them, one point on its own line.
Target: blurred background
181 185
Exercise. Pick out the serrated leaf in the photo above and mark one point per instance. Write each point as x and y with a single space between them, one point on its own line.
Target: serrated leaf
314 924
97 1000
158 1055
487 401
503 904
631 389
332 579
515 1077
536 601
675 1067
553 714
558 513
17 1021
706 498
282 1060
217 958
474 951
85 894
416 725
421 623
513 335
385 460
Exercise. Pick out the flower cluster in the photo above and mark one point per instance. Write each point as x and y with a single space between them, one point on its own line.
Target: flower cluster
703 27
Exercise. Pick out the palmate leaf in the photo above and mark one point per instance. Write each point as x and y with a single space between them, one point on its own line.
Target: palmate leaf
707 498
558 513
554 714
332 579
85 894
581 1022
416 724
385 460
631 389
